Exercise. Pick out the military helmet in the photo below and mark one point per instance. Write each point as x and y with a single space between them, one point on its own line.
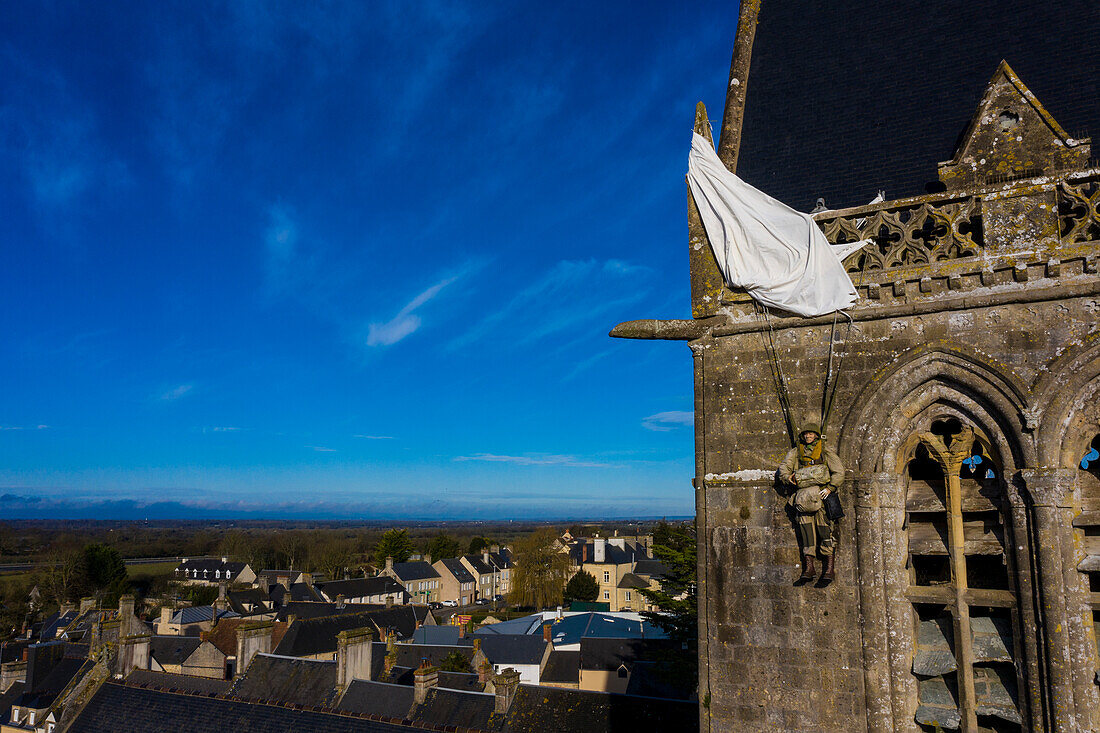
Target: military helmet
810 426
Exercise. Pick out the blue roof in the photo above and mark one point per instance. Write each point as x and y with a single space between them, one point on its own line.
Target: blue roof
571 629
198 614
525 625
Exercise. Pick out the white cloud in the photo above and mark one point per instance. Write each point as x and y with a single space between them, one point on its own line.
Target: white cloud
535 460
321 449
663 422
406 321
222 429
374 437
175 393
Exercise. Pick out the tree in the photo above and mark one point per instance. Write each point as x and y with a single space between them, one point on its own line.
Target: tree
456 661
443 546
102 565
58 578
394 543
540 570
332 556
479 545
677 614
581 587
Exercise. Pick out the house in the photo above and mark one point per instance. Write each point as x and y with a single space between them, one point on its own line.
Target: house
609 560
212 571
379 589
458 584
419 579
492 570
53 668
526 654
250 602
187 655
191 620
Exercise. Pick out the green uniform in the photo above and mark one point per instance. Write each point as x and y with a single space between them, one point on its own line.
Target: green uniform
815 531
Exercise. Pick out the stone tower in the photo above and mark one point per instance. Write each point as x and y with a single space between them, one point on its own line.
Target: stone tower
967 407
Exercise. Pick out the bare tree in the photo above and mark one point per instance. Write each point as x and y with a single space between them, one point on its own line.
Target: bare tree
540 570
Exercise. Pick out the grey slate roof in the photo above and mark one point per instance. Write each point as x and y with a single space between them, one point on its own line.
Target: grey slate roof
463 709
377 698
298 592
173 649
8 698
466 682
541 709
315 609
458 570
513 648
651 568
306 637
411 655
241 600
360 587
54 624
562 666
198 614
180 682
135 710
630 580
445 635
613 554
417 570
609 654
308 682
868 99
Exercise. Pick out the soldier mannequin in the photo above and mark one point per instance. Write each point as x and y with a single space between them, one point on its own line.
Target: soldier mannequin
815 531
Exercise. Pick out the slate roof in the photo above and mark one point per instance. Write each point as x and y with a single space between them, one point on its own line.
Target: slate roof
7 699
463 709
609 654
198 614
465 682
571 629
651 568
12 651
411 655
155 711
630 580
173 649
211 564
447 635
240 600
297 592
360 587
650 679
541 709
307 637
562 667
309 682
377 698
44 690
613 554
181 682
54 624
525 625
873 96
513 648
458 570
314 609
417 570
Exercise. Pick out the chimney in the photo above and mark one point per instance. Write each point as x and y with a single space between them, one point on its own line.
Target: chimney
225 560
484 671
546 632
428 558
133 653
389 564
86 604
307 578
284 580
252 639
495 549
221 591
462 631
12 672
354 650
165 618
424 678
505 685
599 549
66 607
485 557
389 601
391 653
615 533
584 551
339 601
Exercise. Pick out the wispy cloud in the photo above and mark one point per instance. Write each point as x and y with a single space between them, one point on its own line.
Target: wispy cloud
321 449
406 321
222 429
175 393
535 459
663 422
374 437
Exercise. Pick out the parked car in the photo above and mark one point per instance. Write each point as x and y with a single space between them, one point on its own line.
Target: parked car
450 603
481 601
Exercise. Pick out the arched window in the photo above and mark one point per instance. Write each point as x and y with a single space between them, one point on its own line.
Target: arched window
960 582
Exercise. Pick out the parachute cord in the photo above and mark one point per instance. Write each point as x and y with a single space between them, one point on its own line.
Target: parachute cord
777 373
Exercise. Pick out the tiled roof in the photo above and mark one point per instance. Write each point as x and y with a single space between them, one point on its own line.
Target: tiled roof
308 682
224 635
248 601
465 682
541 709
562 666
307 637
630 580
181 682
43 691
613 554
513 648
7 699
418 570
314 609
651 568
872 96
377 698
609 654
173 649
137 710
12 651
297 592
463 709
458 570
56 623
360 587
411 655
447 635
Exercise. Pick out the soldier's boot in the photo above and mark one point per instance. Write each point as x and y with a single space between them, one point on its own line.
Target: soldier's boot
830 571
807 568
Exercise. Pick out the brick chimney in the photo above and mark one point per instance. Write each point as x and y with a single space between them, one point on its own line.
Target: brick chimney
86 604
389 564
546 632
484 671
252 639
424 678
505 686
354 651
428 558
133 653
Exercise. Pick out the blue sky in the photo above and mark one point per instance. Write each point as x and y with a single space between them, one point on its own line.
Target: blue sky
355 259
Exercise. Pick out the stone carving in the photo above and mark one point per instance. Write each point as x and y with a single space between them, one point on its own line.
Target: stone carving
910 235
1079 210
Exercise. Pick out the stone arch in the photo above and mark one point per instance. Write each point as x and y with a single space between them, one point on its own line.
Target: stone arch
952 380
1069 396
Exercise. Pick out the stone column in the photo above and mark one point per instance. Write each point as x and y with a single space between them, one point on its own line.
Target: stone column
1051 490
872 603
